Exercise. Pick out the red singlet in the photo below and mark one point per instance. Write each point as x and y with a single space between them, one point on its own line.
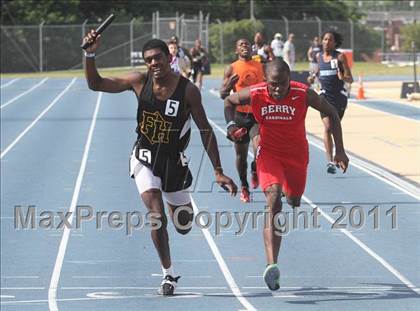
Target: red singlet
283 152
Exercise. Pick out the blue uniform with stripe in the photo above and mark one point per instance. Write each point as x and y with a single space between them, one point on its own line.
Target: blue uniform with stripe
332 88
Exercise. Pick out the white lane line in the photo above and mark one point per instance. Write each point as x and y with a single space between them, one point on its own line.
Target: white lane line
368 250
19 277
24 93
376 172
52 291
5 151
222 264
135 287
22 288
320 288
9 83
384 112
382 261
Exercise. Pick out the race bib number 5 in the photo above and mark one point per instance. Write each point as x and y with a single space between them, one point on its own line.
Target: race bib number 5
145 155
171 108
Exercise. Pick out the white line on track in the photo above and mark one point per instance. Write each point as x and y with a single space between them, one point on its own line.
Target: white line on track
22 288
387 101
52 291
9 83
376 172
368 250
222 264
20 277
387 113
135 287
5 151
382 261
24 93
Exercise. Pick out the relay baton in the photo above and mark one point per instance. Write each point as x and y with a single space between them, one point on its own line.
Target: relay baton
239 133
99 30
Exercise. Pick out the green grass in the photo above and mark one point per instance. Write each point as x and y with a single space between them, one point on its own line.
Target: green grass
217 70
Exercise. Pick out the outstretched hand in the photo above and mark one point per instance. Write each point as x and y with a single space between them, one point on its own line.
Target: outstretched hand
227 183
341 160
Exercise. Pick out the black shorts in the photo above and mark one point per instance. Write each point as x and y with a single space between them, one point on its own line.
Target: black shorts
171 169
196 68
247 121
339 101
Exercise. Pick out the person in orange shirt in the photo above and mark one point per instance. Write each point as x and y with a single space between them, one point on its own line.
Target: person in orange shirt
240 74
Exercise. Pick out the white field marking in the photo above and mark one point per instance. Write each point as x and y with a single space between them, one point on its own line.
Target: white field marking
100 297
222 264
309 288
52 291
5 151
377 172
134 287
13 302
19 277
366 167
382 261
105 295
186 276
24 93
95 277
6 296
395 103
387 113
22 288
287 296
9 83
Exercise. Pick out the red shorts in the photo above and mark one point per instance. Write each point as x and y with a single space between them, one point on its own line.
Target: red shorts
290 173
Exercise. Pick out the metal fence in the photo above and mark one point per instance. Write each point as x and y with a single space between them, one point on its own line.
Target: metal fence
56 47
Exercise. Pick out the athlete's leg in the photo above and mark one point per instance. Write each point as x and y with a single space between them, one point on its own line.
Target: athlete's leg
199 79
328 142
255 137
184 217
241 150
152 198
293 200
272 235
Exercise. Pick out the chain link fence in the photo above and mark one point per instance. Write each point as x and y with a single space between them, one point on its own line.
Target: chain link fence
57 47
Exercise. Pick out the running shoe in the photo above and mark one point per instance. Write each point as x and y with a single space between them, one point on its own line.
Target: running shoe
168 285
331 169
254 176
272 277
245 195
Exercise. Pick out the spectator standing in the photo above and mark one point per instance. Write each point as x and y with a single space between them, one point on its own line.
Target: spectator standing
289 51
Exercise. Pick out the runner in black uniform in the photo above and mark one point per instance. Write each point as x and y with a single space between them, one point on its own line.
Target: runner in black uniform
333 71
166 104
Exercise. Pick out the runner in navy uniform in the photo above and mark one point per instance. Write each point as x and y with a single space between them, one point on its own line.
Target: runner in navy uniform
166 104
333 72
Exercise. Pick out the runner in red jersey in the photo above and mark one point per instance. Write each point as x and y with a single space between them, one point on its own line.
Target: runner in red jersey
279 106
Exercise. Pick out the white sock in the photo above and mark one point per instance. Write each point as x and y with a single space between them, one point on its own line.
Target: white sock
169 271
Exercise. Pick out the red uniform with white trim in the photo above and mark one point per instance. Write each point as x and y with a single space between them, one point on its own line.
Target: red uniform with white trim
283 151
